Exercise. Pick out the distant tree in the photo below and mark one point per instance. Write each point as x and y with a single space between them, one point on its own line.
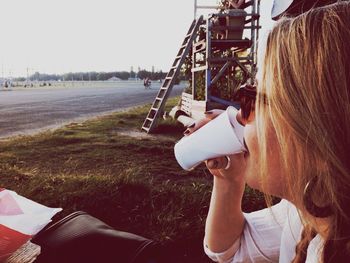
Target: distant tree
123 75
94 76
19 79
132 74
142 74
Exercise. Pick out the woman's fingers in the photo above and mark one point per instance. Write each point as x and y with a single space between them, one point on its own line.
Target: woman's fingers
209 115
230 167
218 163
212 114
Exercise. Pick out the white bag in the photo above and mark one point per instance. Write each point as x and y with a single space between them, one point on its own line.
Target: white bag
20 219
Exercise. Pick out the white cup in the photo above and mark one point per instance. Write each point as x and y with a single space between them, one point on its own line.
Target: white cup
219 137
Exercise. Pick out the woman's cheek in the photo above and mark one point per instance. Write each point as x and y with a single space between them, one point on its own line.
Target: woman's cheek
274 183
250 137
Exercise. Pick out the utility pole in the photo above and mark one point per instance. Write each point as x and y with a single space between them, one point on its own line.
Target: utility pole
195 9
131 72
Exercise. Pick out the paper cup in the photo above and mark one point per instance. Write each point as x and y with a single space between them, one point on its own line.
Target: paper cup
219 137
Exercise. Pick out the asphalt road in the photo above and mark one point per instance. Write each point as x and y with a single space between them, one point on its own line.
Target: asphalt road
26 111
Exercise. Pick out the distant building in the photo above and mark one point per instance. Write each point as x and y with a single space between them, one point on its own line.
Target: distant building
134 79
114 79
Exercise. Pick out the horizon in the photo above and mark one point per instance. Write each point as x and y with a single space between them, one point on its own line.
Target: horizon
60 37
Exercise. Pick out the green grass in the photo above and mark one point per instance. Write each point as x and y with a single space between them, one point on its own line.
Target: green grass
132 183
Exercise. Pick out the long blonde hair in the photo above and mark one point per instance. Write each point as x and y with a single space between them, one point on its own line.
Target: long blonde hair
306 78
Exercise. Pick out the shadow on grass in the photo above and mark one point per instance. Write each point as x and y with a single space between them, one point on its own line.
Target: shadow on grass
170 128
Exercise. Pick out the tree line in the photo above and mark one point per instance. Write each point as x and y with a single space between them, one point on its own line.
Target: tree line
94 76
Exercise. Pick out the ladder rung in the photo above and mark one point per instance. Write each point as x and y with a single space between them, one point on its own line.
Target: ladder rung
163 88
223 60
199 68
168 77
229 28
185 45
178 57
174 67
253 14
230 41
232 15
155 109
150 119
145 128
158 98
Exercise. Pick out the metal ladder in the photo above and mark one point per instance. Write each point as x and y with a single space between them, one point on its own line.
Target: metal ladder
158 104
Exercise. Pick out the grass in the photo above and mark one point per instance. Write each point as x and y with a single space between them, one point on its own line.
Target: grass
133 183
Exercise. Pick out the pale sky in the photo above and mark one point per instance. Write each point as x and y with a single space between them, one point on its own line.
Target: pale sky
58 36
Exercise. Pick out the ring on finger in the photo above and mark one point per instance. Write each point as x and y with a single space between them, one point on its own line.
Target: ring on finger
228 163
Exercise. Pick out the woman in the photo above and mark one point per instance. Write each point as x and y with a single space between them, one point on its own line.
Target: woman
297 132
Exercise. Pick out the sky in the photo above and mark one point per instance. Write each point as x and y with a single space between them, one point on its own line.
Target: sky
59 36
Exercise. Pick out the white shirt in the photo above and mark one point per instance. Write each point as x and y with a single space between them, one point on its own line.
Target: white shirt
269 235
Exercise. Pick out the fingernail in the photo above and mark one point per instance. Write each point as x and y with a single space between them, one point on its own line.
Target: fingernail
208 112
186 132
192 125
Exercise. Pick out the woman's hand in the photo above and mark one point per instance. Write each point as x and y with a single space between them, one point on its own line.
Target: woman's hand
226 167
225 219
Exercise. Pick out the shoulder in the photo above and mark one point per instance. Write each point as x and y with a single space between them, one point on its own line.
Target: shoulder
279 212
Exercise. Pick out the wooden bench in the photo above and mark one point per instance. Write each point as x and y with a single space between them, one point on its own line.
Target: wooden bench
25 254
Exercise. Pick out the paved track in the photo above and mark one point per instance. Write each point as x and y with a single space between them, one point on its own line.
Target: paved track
25 111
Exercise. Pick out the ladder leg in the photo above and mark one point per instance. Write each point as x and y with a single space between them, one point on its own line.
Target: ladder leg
158 104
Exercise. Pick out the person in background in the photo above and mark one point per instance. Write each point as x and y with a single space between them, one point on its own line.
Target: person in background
236 4
297 136
221 21
147 83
